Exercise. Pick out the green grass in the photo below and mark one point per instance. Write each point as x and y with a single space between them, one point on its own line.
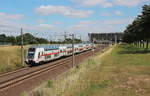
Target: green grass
50 83
124 71
10 58
128 69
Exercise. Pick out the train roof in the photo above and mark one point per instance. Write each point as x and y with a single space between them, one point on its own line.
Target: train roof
57 46
47 47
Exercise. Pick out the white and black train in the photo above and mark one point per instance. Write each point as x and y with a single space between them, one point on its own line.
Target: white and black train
41 54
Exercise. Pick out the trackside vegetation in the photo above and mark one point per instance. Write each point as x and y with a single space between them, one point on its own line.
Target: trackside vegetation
123 70
29 39
138 32
10 58
16 40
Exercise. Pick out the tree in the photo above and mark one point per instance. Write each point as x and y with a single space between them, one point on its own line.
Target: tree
28 39
145 17
2 38
138 31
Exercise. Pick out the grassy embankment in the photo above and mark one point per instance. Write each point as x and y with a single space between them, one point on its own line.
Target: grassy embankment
10 58
125 71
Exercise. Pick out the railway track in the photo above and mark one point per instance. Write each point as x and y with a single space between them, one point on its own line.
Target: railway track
23 77
5 75
11 79
12 72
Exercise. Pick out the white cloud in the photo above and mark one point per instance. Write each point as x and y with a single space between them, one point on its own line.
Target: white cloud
13 28
88 26
128 3
11 16
57 22
85 27
8 23
105 14
63 10
105 22
116 12
118 21
103 3
86 22
44 26
109 3
83 30
40 21
82 27
119 13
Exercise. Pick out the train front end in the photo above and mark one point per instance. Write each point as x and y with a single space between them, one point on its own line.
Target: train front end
30 58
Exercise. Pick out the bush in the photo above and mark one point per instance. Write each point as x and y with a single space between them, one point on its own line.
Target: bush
49 83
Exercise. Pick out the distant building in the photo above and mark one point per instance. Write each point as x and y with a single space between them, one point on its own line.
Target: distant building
105 37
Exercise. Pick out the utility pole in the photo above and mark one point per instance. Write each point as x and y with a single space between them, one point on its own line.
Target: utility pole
65 36
73 62
36 43
50 40
22 50
115 38
106 39
80 39
93 47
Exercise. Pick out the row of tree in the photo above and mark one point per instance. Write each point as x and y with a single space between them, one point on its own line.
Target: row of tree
30 39
138 33
27 39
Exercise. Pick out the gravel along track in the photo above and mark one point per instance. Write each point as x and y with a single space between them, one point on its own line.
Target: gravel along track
16 82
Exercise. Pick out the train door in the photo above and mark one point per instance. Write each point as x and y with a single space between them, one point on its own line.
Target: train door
43 57
61 52
40 55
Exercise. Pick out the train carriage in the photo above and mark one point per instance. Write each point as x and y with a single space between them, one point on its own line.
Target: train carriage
81 47
76 48
62 49
68 49
39 54
42 54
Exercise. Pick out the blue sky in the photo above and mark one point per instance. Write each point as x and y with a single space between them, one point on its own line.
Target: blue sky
50 18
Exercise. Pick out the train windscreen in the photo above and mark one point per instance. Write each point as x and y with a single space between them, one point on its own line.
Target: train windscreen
31 53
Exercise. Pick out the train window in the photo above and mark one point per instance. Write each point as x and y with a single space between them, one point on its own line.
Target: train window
31 50
48 56
55 55
30 55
